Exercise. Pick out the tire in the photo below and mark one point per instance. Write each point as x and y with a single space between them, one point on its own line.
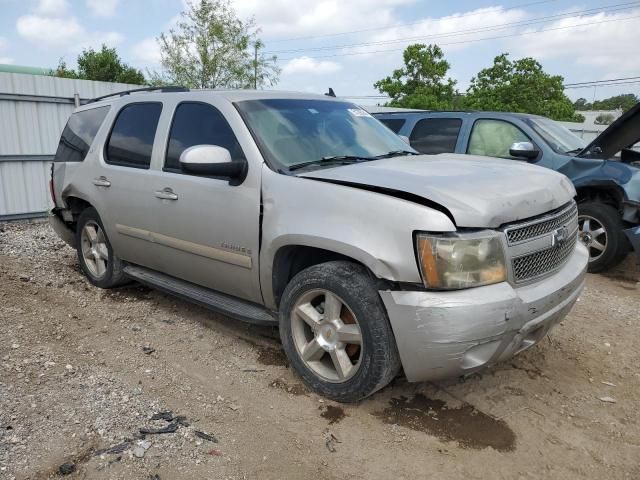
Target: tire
600 226
100 265
353 307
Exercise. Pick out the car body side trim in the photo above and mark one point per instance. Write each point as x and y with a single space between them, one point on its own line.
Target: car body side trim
219 254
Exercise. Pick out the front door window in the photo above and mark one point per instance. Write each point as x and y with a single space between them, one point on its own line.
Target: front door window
493 138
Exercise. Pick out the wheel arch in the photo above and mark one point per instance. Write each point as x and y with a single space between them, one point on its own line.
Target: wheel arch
290 259
73 204
609 194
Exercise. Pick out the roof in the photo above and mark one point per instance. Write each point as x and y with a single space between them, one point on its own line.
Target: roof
402 112
377 109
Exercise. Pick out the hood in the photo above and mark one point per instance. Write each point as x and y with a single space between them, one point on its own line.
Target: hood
621 134
479 192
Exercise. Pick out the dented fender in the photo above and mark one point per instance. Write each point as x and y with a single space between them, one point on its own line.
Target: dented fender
373 229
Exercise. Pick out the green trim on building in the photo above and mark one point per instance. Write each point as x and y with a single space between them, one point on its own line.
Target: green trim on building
5 68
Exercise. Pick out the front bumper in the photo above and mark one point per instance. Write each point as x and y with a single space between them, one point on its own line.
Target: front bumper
448 334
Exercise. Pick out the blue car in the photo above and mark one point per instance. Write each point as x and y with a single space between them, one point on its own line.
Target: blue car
605 172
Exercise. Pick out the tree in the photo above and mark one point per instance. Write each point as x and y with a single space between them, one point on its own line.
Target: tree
212 48
520 86
104 65
581 104
422 82
618 102
63 71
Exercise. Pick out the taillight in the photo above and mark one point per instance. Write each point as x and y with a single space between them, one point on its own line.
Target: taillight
51 190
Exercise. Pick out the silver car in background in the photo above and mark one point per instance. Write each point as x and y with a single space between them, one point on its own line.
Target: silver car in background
305 212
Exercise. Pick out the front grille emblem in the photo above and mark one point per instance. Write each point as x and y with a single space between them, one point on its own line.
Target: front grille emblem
559 237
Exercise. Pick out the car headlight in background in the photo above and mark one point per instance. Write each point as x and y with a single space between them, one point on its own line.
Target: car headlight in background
456 262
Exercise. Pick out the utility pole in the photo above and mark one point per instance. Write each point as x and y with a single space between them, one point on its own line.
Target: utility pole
255 65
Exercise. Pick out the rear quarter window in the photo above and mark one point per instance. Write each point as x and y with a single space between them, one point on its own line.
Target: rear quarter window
436 135
79 133
394 124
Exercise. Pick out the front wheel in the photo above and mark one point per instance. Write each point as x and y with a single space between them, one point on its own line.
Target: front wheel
601 230
335 331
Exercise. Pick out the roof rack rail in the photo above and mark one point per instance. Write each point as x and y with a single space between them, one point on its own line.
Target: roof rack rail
170 88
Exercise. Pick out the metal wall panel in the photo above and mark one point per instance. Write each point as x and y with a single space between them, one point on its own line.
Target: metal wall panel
33 127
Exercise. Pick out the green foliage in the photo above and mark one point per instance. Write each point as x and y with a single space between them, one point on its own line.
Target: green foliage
581 104
520 86
212 48
63 71
422 82
104 65
623 102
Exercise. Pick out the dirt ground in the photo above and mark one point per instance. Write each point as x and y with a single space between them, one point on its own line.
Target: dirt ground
84 370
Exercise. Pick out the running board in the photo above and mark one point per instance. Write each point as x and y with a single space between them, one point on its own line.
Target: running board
218 302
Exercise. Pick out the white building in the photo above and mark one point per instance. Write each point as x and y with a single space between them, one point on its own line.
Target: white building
34 108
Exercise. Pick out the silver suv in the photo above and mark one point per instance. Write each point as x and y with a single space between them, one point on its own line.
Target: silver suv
305 212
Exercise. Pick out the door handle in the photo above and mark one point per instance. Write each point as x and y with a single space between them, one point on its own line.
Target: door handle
166 194
101 182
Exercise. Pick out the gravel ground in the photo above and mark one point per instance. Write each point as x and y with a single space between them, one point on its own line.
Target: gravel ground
89 378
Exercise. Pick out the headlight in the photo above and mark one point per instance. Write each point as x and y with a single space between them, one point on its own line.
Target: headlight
455 262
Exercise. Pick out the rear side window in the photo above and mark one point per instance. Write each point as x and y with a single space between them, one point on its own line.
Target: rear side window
199 124
131 140
394 124
79 133
436 135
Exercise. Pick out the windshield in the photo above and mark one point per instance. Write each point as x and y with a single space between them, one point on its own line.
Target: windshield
292 132
561 139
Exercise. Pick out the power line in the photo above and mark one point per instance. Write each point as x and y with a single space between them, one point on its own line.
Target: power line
470 14
502 26
476 39
605 84
601 81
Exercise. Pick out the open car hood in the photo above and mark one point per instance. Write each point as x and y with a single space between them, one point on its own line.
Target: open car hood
478 192
620 135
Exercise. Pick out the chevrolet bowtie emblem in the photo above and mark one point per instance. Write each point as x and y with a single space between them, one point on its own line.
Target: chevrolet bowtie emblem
559 237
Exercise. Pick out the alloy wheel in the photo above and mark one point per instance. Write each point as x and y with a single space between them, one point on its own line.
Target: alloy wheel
326 335
94 249
593 235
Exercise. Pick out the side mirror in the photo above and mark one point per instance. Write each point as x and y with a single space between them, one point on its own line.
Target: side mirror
212 160
523 150
405 139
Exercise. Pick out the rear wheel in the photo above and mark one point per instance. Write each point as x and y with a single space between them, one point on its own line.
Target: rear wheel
335 331
600 229
95 255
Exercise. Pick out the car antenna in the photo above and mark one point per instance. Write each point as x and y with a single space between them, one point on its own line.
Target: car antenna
330 93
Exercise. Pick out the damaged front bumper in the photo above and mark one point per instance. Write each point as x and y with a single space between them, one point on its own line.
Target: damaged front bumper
448 334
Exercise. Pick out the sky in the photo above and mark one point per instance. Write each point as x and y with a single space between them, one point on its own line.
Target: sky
350 44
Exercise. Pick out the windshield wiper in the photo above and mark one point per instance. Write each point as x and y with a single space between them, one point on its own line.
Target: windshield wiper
397 153
344 159
575 150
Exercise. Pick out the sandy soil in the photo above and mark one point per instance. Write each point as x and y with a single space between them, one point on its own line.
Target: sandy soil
83 371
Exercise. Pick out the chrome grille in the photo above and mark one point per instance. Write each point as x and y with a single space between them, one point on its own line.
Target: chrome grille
528 230
535 246
543 261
